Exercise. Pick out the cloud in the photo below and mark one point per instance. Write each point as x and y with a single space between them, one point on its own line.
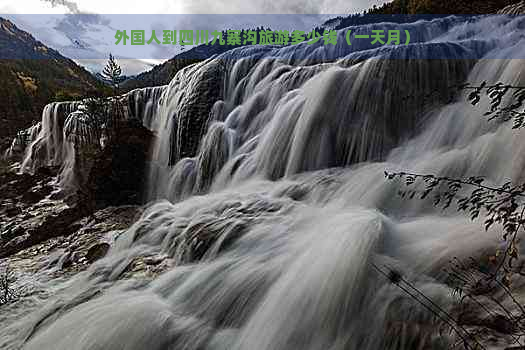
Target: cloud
70 5
81 32
216 6
277 6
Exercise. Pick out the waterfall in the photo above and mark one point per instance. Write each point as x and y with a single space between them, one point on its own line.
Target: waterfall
49 140
272 203
273 115
21 140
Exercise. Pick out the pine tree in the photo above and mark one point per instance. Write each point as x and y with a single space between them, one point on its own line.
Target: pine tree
113 73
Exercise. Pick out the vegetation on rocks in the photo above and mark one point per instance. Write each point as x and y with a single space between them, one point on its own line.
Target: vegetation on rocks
31 76
441 7
482 282
106 143
7 292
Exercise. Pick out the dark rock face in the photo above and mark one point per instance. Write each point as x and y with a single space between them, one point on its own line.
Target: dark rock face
193 118
118 175
97 251
33 209
24 225
500 323
68 254
497 322
514 9
12 210
27 217
22 233
16 186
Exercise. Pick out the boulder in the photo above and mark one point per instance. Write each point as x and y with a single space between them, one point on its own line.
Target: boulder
97 251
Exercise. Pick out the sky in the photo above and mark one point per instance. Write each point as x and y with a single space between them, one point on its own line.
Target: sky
83 38
185 6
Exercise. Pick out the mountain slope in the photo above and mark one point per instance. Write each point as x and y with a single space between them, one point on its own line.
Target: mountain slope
32 75
442 7
163 73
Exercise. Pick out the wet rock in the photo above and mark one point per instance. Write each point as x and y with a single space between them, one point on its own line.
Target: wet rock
27 216
32 245
16 242
154 260
65 261
54 258
76 256
57 221
500 323
514 9
32 196
36 193
45 171
97 251
117 176
12 210
148 266
57 195
13 184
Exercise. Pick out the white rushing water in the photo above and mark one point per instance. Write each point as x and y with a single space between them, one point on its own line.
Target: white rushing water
278 205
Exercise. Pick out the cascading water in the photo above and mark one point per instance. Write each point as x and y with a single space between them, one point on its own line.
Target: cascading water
279 210
50 140
273 116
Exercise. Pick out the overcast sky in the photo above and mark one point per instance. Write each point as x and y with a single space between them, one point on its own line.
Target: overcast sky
81 37
186 6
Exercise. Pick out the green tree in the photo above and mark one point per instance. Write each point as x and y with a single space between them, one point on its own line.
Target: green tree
113 73
481 280
94 131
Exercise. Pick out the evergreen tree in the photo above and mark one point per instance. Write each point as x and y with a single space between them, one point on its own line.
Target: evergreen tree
113 73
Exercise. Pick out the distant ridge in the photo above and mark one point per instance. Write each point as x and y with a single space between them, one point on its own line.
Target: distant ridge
32 75
163 73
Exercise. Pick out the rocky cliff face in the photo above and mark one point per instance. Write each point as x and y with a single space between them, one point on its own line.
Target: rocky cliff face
35 209
514 9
